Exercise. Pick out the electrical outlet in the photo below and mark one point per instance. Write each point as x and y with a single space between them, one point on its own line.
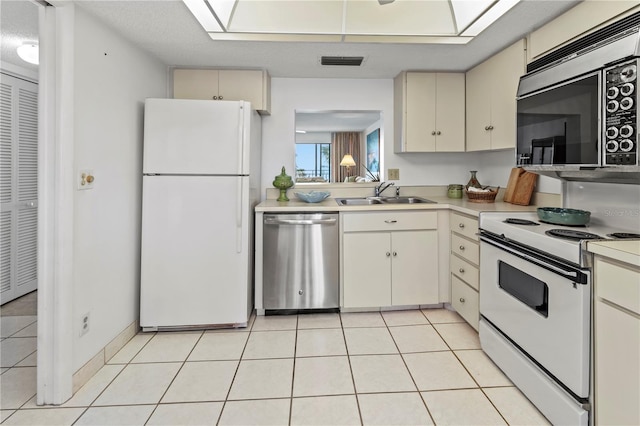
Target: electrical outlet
84 324
85 179
393 174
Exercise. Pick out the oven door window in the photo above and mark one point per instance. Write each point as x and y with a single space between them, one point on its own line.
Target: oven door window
560 125
527 289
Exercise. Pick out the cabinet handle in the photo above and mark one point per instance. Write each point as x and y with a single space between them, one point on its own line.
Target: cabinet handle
220 97
390 221
461 270
300 292
462 247
438 132
433 133
215 98
395 254
490 127
486 127
462 300
461 225
388 254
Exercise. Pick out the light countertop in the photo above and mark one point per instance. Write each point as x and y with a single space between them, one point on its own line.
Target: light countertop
330 204
627 251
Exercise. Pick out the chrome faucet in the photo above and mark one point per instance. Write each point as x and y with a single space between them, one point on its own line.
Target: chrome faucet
378 189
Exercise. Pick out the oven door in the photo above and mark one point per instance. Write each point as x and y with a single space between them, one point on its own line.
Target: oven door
540 306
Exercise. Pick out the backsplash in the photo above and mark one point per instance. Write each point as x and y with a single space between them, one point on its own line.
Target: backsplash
607 202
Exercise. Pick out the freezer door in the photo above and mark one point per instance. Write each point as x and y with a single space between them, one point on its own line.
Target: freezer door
197 137
196 267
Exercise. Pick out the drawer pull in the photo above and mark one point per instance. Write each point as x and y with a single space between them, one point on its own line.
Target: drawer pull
461 270
461 225
462 300
390 221
461 247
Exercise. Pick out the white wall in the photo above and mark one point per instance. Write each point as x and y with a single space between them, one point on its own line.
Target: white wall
289 94
112 79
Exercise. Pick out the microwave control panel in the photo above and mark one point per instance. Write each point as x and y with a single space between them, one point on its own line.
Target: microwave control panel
621 114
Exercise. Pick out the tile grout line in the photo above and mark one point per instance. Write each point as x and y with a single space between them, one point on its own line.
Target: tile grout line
353 380
235 373
174 377
293 373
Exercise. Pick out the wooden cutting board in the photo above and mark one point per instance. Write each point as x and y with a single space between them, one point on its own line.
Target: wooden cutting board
511 185
524 188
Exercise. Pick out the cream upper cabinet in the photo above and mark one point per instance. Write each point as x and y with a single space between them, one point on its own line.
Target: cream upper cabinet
491 100
389 259
429 112
233 85
578 21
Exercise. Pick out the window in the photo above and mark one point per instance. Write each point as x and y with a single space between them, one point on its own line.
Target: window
313 161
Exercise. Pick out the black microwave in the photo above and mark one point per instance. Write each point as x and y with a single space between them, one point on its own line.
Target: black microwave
589 121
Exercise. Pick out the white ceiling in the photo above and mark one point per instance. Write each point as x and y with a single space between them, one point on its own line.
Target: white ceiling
169 31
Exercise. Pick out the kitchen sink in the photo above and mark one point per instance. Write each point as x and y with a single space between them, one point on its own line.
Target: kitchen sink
364 201
358 201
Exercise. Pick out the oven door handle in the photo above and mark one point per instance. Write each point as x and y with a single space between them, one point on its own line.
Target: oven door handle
574 275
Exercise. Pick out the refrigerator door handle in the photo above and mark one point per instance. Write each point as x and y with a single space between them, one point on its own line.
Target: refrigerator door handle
239 216
241 170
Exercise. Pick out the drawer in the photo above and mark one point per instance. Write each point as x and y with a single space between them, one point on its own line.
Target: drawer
618 284
389 221
464 300
465 248
464 225
465 271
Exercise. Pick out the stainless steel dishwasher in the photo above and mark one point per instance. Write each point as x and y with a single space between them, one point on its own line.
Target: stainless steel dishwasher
300 266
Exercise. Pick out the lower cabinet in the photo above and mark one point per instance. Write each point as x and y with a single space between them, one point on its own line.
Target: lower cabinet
389 259
464 267
617 343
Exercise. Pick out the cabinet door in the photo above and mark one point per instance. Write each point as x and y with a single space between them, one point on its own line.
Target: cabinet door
367 269
478 85
414 267
242 85
421 112
506 69
195 84
450 112
617 366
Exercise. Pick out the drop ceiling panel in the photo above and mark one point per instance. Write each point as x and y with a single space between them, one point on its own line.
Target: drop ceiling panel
408 17
314 16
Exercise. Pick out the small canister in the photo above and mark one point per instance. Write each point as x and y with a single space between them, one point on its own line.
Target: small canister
454 191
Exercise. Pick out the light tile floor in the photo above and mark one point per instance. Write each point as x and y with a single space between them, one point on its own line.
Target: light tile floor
416 367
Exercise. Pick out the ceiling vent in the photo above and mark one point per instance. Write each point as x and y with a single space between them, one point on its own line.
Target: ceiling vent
349 61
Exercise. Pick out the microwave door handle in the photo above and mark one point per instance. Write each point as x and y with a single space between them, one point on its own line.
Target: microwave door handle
573 275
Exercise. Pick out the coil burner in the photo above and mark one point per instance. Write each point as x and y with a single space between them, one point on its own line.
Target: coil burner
571 234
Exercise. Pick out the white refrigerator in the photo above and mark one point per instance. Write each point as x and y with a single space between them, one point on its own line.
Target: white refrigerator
201 181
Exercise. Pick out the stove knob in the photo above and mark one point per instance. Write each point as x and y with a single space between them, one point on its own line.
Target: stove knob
626 145
625 131
626 104
627 89
612 92
612 132
612 146
612 106
628 73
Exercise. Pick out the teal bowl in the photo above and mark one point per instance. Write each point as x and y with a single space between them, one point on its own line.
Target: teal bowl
312 196
562 216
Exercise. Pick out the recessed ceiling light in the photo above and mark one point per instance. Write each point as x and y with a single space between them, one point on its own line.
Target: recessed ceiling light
29 52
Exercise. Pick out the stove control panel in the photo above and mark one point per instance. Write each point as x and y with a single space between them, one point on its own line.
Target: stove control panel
621 114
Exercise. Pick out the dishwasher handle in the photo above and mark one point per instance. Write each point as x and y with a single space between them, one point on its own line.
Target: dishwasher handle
275 221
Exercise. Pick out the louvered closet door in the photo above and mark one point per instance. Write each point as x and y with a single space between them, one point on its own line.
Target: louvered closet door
18 187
